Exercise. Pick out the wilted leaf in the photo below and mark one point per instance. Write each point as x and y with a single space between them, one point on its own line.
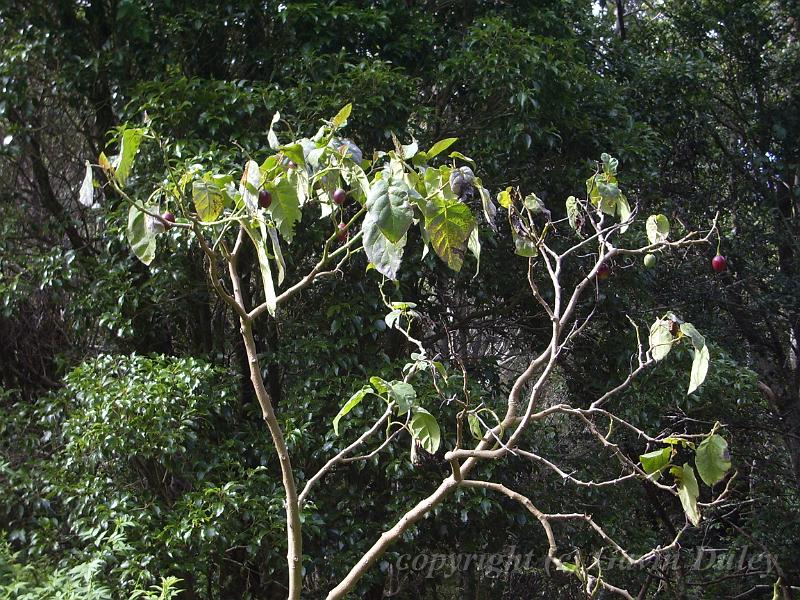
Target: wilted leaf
699 368
688 492
660 339
86 196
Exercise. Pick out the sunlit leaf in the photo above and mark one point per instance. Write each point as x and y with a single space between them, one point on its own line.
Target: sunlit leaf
425 430
354 401
713 459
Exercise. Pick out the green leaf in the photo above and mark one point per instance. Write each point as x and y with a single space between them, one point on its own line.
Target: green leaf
259 239
489 209
660 339
534 204
403 394
208 200
475 426
142 234
354 401
574 214
382 253
441 146
713 459
425 430
388 202
656 460
657 227
249 185
341 117
379 384
688 492
277 253
504 198
123 162
610 164
86 196
271 137
676 441
623 211
466 159
285 207
449 224
474 245
698 341
699 369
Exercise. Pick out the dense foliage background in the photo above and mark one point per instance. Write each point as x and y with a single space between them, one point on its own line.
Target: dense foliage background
131 448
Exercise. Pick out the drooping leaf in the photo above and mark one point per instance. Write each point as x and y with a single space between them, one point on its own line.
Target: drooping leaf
623 212
86 196
249 185
713 459
388 203
698 341
381 385
382 253
425 429
122 163
271 137
574 214
474 245
449 224
656 460
403 394
341 117
141 234
660 339
474 426
657 227
699 369
258 235
208 200
489 209
277 253
354 401
441 146
688 492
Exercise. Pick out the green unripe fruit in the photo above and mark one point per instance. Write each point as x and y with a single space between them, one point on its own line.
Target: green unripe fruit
649 261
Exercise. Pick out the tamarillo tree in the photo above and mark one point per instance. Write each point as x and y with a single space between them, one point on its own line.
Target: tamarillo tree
369 206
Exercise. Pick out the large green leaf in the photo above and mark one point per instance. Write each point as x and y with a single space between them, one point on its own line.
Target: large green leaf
142 234
449 224
657 227
653 462
425 430
403 394
208 200
441 146
382 253
660 339
688 492
258 235
713 459
285 207
354 401
122 163
689 330
388 202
